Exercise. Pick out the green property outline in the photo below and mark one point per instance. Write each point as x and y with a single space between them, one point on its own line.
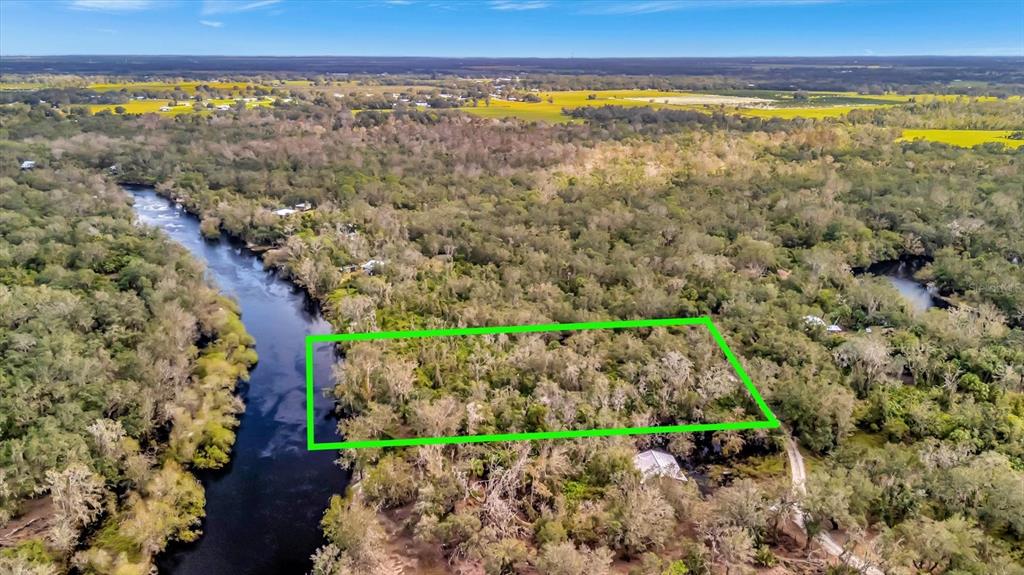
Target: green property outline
311 444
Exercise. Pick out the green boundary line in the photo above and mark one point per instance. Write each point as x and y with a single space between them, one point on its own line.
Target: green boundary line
311 444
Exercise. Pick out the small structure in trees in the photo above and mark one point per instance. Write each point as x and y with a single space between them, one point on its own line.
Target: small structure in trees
28 165
658 463
303 207
813 320
371 266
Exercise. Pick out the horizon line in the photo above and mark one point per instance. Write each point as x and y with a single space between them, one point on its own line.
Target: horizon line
717 57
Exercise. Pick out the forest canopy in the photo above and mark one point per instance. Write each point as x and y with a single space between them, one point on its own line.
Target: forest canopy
118 365
433 218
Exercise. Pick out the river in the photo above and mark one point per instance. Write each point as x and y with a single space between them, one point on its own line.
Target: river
263 510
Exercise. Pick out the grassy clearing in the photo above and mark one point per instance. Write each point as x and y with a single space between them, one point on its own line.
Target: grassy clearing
962 138
503 111
759 467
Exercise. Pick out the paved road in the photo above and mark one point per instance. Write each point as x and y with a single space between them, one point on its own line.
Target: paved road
798 476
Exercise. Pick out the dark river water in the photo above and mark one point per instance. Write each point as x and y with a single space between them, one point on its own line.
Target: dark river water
263 510
901 274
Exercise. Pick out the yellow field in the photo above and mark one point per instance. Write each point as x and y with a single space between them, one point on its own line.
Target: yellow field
528 112
962 138
552 111
153 106
810 113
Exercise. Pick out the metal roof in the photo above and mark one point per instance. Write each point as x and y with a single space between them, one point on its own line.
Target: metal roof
655 462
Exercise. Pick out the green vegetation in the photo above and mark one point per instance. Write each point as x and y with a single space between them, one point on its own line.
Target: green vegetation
676 375
915 419
189 87
107 401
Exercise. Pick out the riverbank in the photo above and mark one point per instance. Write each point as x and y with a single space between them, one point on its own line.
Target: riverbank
122 389
263 508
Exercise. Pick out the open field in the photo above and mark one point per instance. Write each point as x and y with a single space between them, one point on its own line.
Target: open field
782 104
711 99
963 138
551 104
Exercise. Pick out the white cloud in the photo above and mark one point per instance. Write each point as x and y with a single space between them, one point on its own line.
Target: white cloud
211 23
518 5
111 5
229 6
655 6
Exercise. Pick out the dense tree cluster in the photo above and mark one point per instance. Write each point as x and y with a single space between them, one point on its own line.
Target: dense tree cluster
117 373
504 384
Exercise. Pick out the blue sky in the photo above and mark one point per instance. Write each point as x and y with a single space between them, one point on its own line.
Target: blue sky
544 28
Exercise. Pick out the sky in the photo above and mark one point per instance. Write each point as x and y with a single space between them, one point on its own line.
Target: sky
504 28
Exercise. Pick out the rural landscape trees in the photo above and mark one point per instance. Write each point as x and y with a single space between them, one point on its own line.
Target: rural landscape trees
913 418
118 372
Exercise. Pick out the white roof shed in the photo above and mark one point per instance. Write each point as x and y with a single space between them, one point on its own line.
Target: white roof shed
657 463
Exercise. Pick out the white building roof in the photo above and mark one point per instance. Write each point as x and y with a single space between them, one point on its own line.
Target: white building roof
371 265
657 463
285 212
28 165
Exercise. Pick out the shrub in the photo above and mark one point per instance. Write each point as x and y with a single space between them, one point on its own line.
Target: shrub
390 483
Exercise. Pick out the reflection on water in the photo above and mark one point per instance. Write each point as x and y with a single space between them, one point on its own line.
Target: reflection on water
916 294
901 274
263 510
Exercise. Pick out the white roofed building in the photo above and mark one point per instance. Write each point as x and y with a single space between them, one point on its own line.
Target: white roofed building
371 266
657 463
